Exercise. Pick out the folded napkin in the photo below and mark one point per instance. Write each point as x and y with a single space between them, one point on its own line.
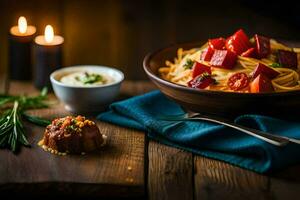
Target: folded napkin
205 138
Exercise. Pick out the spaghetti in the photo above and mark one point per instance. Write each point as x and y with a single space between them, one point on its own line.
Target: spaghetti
181 72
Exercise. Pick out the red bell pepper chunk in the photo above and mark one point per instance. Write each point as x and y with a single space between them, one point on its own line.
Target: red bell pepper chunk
243 38
201 82
250 53
223 59
287 58
263 48
200 68
217 43
232 46
261 84
207 54
267 71
238 42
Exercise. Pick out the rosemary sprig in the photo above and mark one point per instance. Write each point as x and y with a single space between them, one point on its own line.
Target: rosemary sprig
12 133
11 130
37 120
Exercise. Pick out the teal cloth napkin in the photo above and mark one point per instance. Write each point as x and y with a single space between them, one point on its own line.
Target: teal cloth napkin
208 139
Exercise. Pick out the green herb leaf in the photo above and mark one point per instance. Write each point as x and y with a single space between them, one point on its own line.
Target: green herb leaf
89 78
36 120
72 127
12 132
189 64
275 65
92 78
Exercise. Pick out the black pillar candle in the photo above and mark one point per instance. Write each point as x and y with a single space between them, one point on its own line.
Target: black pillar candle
47 56
20 40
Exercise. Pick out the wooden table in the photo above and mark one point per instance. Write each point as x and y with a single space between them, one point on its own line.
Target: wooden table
132 166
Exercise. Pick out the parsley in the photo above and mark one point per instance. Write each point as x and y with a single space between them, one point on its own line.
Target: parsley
189 64
275 65
89 78
72 127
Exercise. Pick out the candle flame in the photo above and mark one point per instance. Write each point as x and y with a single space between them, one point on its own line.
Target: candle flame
22 24
49 34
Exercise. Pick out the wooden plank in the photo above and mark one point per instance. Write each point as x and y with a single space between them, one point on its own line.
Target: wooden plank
285 188
218 180
286 184
116 171
170 173
170 170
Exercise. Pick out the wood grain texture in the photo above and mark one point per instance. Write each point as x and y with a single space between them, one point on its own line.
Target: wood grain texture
219 180
286 183
115 171
170 173
118 170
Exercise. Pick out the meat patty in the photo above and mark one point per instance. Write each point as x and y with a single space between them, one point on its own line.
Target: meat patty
72 135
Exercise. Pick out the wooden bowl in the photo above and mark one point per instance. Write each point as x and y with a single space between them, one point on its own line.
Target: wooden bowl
217 102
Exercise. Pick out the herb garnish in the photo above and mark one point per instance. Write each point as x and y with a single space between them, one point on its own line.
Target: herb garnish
91 78
275 65
12 133
205 75
189 64
72 127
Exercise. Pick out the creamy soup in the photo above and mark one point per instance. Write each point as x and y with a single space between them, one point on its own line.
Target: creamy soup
86 78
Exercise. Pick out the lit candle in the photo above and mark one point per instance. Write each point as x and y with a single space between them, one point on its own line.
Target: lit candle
20 39
47 56
49 39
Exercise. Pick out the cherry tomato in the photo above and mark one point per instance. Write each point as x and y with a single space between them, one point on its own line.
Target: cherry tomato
238 81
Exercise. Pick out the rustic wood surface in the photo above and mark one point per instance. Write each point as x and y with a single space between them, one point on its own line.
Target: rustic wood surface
116 171
133 167
170 173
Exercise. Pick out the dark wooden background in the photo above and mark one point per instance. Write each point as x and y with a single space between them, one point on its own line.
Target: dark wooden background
121 32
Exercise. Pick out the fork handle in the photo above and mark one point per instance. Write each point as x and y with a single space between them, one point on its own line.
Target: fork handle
267 137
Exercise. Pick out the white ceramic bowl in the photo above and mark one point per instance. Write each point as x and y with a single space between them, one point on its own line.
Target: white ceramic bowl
86 99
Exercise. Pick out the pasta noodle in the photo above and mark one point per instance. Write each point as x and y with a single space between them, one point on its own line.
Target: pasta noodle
176 71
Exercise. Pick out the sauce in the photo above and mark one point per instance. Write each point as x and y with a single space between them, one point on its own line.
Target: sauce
85 78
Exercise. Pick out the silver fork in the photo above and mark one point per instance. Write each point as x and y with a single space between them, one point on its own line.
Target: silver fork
267 137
